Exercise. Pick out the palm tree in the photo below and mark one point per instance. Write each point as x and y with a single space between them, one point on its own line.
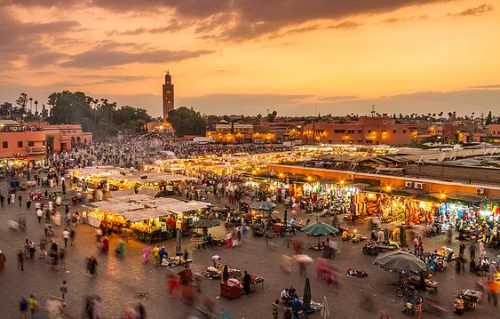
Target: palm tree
36 107
31 104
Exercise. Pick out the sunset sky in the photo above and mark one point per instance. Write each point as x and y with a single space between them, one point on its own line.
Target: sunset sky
247 56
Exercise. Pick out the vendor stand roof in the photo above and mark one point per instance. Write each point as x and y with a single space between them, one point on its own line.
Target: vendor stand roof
120 207
142 214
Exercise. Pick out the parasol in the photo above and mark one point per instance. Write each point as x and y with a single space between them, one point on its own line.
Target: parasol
320 229
267 206
400 261
205 223
307 295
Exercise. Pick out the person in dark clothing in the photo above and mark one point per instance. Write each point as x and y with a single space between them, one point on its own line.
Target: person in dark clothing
462 250
23 307
20 260
458 265
246 283
2 200
140 311
472 251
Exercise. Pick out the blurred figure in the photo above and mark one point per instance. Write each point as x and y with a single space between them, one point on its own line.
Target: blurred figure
140 311
2 261
91 266
286 264
145 254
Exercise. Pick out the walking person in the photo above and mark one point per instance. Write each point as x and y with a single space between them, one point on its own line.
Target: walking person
20 260
24 307
66 235
64 290
2 261
72 234
2 200
472 251
276 304
247 279
20 198
33 305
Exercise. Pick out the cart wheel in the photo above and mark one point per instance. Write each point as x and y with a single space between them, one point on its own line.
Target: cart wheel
400 292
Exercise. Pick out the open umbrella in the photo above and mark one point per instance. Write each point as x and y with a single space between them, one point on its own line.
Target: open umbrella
400 261
320 229
204 224
267 206
307 295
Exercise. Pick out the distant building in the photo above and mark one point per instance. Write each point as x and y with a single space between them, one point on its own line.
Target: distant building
492 134
64 137
20 144
225 132
168 96
363 130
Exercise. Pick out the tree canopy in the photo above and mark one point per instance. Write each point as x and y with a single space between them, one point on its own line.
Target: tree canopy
99 116
187 122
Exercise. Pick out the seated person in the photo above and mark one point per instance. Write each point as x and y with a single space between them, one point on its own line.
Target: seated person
285 296
292 292
356 273
296 304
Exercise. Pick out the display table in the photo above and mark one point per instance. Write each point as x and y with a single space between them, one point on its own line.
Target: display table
278 227
230 290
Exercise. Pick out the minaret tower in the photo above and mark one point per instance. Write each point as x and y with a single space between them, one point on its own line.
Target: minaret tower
168 96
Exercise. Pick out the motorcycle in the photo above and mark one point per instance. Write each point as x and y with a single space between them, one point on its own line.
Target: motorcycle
466 300
406 290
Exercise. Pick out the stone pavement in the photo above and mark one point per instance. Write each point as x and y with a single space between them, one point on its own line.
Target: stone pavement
119 281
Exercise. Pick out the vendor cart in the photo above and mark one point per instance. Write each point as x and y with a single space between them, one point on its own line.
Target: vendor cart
230 289
430 284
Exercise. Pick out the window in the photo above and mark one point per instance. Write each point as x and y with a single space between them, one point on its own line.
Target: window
359 131
31 143
5 144
404 131
369 131
43 143
20 144
394 131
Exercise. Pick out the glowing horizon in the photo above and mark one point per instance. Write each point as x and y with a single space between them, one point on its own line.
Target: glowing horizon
329 56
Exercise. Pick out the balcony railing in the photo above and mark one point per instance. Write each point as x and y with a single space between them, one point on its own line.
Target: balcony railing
36 150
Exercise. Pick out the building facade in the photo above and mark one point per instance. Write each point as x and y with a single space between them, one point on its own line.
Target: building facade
168 96
363 130
20 144
64 137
